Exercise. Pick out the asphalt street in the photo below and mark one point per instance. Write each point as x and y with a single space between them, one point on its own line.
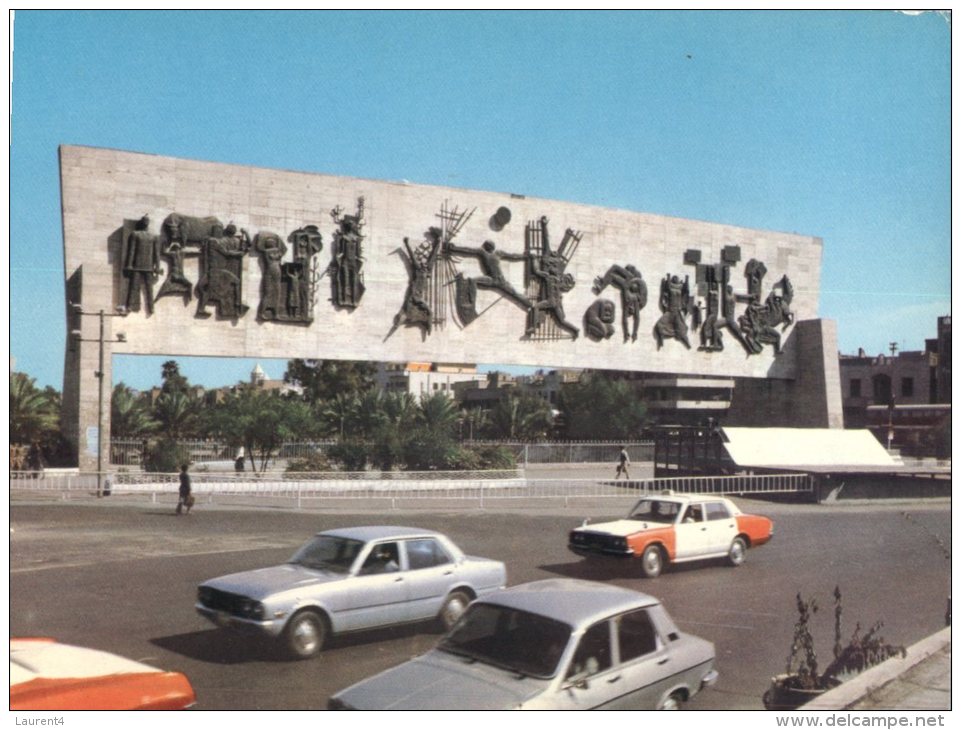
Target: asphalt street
122 576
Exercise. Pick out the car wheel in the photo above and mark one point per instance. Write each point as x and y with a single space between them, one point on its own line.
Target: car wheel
652 561
672 702
305 634
454 606
737 551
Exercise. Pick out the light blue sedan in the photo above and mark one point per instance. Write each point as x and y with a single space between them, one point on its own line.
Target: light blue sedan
556 644
349 580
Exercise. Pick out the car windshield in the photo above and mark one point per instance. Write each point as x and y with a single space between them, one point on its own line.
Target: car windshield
518 641
655 510
326 552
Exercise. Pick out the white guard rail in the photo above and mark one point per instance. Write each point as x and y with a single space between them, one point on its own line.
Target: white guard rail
474 486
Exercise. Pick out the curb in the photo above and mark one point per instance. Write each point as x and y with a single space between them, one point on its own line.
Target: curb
854 690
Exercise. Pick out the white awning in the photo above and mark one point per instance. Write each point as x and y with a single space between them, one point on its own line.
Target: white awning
802 447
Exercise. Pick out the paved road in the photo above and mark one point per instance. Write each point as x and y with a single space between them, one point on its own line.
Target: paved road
122 576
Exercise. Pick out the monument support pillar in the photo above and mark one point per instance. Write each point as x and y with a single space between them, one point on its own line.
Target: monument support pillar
87 388
811 400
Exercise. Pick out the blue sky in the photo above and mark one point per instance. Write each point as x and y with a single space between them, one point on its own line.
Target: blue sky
827 123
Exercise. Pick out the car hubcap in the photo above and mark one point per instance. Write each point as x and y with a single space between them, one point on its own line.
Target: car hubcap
455 607
737 552
653 562
306 635
671 703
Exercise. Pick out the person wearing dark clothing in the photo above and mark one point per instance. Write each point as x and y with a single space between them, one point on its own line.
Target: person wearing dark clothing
622 461
186 500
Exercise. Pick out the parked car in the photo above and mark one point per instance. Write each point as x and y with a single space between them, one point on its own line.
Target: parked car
672 528
556 644
348 580
47 675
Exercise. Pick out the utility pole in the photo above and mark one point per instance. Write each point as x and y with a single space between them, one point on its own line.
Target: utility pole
78 337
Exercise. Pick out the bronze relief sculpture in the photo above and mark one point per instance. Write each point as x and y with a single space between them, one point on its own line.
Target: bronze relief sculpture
347 258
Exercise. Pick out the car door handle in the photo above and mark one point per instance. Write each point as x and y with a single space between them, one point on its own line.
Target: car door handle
398 579
665 660
448 572
614 679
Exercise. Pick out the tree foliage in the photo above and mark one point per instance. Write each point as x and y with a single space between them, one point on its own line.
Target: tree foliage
260 421
34 414
130 415
171 379
521 418
325 380
597 408
393 430
177 414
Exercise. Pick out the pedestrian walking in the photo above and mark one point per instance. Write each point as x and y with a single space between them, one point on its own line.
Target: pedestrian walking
186 500
622 461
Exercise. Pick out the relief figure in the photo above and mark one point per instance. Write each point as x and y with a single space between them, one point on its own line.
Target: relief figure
633 290
222 272
141 265
346 266
675 304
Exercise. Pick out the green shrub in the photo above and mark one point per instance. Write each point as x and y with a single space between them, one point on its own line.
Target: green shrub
165 457
313 462
463 459
496 457
353 455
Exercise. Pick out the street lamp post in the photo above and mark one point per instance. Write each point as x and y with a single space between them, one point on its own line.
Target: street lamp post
77 334
890 422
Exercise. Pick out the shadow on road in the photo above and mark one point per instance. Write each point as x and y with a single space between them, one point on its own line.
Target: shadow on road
594 569
219 647
223 647
620 568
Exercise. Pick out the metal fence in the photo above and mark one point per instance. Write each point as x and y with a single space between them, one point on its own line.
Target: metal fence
133 452
579 452
395 486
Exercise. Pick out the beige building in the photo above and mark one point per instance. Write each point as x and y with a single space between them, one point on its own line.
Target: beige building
424 379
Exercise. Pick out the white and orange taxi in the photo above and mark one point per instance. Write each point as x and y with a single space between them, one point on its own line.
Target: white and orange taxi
672 528
48 675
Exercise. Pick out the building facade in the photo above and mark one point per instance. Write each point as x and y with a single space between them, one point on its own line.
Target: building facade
904 398
424 379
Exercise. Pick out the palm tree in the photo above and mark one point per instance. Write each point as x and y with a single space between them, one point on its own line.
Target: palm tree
32 412
438 414
369 416
339 410
177 414
475 421
129 415
524 418
400 410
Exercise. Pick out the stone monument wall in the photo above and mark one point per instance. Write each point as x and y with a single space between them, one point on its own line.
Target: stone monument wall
207 259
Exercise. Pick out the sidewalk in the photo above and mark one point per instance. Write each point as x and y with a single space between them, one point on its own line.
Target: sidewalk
919 681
